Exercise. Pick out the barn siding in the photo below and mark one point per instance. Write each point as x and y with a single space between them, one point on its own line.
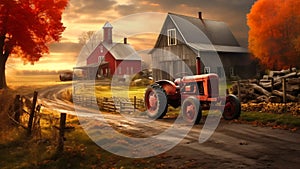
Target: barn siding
94 56
128 67
135 65
112 63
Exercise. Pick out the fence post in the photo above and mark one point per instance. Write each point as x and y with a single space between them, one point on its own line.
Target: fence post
284 90
272 84
284 94
17 108
239 89
121 107
29 129
61 138
134 103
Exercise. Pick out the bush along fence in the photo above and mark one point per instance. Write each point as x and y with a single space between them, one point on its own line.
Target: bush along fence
111 104
27 114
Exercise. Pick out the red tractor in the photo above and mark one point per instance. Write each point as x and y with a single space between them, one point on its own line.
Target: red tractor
194 93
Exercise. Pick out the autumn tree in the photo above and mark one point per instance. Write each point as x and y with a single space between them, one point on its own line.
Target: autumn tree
26 28
274 36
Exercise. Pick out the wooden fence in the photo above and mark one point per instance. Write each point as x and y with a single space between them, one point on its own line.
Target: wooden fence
112 104
120 105
27 114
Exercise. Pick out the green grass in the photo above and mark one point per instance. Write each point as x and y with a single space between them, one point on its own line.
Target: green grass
107 91
276 119
80 152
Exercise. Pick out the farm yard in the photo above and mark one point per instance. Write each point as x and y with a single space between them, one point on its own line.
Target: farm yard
78 145
124 84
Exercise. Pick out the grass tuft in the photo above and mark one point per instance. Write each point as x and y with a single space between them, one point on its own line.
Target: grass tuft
270 118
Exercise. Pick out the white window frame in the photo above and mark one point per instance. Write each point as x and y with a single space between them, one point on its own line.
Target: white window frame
171 36
100 59
206 70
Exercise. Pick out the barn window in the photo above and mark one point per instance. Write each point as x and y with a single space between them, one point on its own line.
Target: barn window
207 70
172 37
120 70
100 59
101 49
231 71
220 71
131 70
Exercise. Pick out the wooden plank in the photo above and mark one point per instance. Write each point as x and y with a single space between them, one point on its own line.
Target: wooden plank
29 129
281 94
61 138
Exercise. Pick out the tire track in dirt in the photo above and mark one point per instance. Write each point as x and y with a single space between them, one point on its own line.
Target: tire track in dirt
231 146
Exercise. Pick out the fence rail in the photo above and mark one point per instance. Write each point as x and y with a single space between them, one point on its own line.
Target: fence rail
27 114
110 104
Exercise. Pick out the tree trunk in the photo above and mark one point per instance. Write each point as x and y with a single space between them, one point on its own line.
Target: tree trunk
260 89
3 60
288 96
4 53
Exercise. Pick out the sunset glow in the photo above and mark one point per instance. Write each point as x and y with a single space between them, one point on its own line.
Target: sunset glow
90 15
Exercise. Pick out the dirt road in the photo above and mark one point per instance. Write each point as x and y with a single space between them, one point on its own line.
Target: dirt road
231 146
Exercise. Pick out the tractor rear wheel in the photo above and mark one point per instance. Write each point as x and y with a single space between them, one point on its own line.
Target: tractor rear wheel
232 108
156 102
191 110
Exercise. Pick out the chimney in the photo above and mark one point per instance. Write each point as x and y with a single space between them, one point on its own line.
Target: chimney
200 15
107 33
125 40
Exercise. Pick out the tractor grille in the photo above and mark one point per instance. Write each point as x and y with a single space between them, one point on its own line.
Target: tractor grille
213 87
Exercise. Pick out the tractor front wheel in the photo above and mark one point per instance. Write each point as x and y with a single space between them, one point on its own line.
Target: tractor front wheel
232 108
191 110
156 101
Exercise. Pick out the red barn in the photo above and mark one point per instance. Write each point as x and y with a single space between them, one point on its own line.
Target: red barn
110 58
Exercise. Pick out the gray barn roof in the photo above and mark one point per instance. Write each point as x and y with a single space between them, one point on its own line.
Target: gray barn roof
121 51
205 35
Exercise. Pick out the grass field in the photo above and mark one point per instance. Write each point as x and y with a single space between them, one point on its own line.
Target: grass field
19 151
32 80
271 119
108 91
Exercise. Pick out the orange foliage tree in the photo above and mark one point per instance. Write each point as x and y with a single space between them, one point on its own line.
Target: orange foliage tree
26 28
274 36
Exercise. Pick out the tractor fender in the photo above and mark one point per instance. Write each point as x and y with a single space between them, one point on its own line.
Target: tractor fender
168 86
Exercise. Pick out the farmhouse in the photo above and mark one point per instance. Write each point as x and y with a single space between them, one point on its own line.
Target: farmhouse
183 38
112 59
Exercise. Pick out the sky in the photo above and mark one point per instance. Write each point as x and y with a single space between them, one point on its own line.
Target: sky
131 19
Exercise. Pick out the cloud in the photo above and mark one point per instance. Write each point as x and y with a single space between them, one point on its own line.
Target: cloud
88 11
126 9
86 15
66 47
91 7
232 12
137 7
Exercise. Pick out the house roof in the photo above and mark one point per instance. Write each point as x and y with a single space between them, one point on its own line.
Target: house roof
219 48
204 34
121 51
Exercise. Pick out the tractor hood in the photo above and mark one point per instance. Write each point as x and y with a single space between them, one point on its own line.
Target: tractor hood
202 77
